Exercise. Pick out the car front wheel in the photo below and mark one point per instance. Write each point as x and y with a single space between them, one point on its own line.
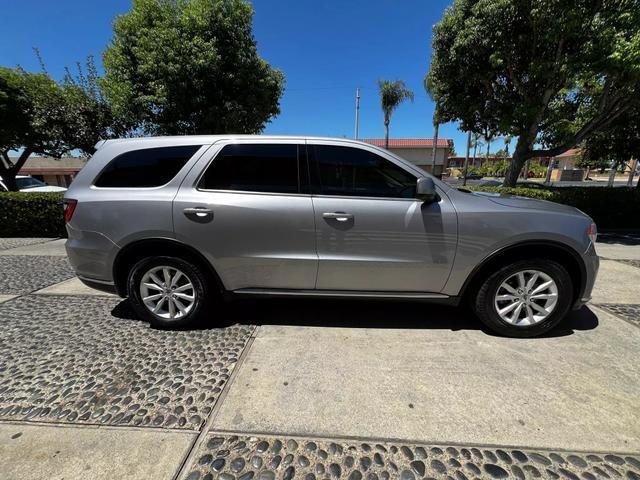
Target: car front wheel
167 291
525 299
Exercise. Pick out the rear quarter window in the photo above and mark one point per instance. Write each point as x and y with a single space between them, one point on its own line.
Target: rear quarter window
149 167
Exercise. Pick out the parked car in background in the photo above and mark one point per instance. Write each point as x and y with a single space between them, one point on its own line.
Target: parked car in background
471 176
522 184
27 183
175 223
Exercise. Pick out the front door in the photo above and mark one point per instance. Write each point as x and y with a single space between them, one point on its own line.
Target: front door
248 214
372 233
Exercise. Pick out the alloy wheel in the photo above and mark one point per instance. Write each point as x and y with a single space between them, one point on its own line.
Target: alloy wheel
526 297
167 292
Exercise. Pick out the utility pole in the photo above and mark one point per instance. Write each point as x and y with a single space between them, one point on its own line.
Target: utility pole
357 110
466 161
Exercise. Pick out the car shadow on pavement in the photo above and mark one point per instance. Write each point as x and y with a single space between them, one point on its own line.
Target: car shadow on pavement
632 238
350 313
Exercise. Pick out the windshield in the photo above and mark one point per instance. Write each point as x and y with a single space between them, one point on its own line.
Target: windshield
29 182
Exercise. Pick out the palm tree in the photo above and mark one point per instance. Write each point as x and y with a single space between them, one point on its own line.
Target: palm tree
507 141
392 94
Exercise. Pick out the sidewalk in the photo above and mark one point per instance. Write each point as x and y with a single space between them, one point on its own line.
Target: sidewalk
305 389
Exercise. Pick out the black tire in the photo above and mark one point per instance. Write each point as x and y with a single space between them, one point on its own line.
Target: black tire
201 292
484 305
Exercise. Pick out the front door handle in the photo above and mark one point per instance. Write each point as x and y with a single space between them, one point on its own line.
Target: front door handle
199 214
339 216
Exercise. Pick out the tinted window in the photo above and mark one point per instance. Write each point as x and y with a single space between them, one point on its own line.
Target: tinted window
29 182
356 172
254 168
150 167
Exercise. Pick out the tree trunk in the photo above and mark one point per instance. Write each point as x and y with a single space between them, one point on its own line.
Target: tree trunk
435 148
632 170
386 133
525 171
547 178
475 149
488 149
612 174
8 171
519 157
466 161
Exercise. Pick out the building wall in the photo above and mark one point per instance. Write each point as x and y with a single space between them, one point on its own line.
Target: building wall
422 157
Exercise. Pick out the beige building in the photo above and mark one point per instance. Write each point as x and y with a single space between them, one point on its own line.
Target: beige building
54 171
418 151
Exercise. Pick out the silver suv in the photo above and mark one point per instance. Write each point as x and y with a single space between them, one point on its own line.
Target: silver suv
177 223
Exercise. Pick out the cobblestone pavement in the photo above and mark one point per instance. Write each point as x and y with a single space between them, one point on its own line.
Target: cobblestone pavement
77 360
6 243
630 312
23 274
73 360
247 458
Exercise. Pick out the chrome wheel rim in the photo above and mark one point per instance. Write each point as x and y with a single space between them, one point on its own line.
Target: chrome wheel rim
167 292
526 298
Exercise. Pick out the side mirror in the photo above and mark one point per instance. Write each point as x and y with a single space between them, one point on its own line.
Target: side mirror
426 190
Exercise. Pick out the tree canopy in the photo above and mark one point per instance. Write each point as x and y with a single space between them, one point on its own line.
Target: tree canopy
616 145
190 67
551 73
41 116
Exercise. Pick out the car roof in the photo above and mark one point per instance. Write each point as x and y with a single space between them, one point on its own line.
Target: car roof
210 139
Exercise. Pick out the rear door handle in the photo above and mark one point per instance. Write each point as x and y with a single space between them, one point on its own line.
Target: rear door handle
339 216
199 214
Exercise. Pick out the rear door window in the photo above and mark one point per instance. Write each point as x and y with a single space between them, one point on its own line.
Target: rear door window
271 168
149 167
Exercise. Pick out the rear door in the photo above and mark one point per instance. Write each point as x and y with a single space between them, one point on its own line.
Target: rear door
246 209
372 233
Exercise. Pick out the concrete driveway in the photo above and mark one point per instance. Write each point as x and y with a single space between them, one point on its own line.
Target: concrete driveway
310 389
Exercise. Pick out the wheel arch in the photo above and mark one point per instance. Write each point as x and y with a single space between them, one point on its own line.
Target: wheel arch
561 253
136 251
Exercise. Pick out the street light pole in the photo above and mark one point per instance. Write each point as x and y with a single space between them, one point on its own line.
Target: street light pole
357 111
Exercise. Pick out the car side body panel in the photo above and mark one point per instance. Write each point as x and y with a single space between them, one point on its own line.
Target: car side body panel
252 239
486 227
106 219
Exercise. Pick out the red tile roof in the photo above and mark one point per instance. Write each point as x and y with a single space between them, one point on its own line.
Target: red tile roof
570 152
407 142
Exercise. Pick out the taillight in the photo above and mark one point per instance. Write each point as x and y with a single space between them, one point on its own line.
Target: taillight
69 208
592 232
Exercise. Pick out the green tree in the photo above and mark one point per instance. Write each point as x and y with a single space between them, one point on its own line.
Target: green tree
40 116
392 94
614 146
90 116
190 67
451 149
502 153
32 119
550 73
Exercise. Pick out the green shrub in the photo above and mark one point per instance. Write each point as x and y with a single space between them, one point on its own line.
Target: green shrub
610 207
31 214
539 193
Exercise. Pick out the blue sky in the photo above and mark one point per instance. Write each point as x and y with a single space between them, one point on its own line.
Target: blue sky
325 48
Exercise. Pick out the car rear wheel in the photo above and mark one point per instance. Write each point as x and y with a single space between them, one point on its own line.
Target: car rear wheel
525 299
167 291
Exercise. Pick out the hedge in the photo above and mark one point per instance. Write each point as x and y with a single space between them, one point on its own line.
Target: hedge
612 208
31 214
